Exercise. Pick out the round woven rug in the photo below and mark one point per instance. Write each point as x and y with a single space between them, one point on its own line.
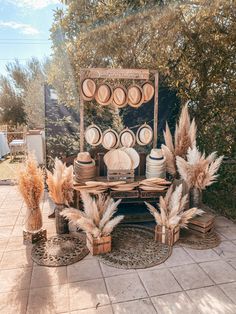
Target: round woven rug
193 241
60 250
134 247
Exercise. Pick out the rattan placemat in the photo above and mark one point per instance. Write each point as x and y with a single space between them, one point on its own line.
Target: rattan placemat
133 247
60 250
198 242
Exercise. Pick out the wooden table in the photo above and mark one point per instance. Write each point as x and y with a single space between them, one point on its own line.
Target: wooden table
132 201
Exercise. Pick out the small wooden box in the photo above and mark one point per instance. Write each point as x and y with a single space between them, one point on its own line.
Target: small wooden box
166 235
33 237
98 246
120 175
202 224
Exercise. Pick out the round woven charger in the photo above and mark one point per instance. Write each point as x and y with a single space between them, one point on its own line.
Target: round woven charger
60 250
194 241
134 247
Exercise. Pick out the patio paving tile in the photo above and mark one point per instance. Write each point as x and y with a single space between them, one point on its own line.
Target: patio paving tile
211 300
228 232
3 244
125 288
178 257
219 271
15 279
191 276
109 271
14 302
159 282
230 290
202 255
16 243
174 303
84 270
15 259
142 306
48 276
5 232
88 294
7 220
232 262
52 299
107 309
226 249
221 221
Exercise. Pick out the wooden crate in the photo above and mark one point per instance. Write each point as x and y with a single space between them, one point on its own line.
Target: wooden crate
98 246
120 175
202 224
166 235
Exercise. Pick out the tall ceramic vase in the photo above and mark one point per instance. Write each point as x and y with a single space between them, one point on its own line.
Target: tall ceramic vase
195 197
61 222
33 220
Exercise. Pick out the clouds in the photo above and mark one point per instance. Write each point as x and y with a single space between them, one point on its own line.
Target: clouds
33 4
25 29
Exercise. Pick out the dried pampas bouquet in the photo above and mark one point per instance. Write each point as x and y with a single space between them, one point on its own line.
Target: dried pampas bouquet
198 171
31 186
96 219
172 212
60 183
185 137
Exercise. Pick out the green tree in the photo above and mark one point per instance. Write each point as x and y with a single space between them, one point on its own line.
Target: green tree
21 93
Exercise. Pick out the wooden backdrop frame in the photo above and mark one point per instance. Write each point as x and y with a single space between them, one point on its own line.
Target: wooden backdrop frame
109 73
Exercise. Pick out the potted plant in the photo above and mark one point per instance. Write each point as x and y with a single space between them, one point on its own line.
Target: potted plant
198 172
60 185
172 216
96 220
31 187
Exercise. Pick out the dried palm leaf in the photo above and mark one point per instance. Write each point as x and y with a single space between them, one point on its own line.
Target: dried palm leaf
109 212
155 213
110 225
168 139
170 160
72 214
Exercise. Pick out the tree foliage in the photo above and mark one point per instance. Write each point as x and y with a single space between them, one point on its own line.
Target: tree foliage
191 43
21 93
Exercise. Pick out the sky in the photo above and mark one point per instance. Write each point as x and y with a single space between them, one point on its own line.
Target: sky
24 29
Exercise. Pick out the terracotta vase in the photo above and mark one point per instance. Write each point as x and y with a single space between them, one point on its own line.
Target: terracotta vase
195 197
60 221
33 220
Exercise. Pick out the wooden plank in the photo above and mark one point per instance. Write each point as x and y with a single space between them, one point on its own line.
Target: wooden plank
203 221
155 118
96 73
81 116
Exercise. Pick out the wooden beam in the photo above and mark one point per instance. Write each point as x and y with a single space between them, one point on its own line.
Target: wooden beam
155 118
81 115
134 74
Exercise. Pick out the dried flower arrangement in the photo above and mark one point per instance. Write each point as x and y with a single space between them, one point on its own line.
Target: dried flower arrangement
31 186
172 212
96 219
60 183
185 137
199 171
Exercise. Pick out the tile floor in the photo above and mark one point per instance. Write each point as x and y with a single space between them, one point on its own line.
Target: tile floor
190 281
